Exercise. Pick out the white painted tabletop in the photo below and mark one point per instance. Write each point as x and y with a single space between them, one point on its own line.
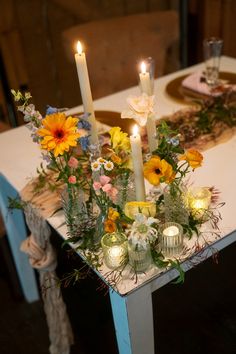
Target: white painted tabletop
19 158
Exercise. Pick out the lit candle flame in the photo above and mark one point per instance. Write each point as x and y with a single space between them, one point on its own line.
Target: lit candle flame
79 48
135 130
143 68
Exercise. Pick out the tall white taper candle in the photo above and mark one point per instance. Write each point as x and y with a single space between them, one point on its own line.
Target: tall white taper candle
150 125
85 90
145 80
137 158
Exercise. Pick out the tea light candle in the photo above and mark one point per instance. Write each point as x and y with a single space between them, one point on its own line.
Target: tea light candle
85 90
137 159
171 238
115 249
171 232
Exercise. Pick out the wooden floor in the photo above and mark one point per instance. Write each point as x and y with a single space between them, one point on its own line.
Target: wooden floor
198 317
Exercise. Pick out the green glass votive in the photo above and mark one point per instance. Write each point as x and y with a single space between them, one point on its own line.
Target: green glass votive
115 250
171 239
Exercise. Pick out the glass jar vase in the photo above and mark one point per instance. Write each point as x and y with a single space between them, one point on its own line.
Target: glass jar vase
175 206
140 257
126 190
99 223
74 207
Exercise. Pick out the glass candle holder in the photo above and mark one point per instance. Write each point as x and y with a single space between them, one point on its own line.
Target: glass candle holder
140 257
115 249
212 51
171 238
199 200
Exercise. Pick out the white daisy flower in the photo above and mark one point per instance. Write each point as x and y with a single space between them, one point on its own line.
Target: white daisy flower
95 166
108 165
101 160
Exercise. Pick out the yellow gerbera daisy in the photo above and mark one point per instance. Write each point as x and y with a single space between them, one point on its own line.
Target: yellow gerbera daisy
157 171
59 133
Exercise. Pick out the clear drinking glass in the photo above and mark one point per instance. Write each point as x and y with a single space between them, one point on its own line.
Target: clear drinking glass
212 48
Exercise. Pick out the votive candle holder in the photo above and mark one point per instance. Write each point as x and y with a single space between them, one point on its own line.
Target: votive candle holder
199 200
171 239
115 249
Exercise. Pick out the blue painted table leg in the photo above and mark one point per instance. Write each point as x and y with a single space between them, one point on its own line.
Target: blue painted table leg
16 233
133 319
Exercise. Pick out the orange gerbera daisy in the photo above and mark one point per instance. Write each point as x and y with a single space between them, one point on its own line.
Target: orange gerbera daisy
193 157
59 133
157 171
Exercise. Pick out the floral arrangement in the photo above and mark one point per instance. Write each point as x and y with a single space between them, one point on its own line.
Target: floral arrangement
207 120
99 194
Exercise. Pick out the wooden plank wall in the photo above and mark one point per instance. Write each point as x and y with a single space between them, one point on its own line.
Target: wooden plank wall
31 43
214 18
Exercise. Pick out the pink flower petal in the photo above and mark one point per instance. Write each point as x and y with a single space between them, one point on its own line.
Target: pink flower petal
104 179
72 179
96 185
107 187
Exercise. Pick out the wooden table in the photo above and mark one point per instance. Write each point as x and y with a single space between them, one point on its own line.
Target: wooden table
132 303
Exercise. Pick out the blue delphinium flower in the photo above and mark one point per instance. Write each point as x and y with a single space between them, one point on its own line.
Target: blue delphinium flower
51 110
84 142
174 141
84 124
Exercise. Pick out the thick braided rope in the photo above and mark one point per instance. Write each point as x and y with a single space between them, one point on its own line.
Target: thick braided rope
43 258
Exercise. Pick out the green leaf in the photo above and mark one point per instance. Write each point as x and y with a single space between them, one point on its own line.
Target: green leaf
176 265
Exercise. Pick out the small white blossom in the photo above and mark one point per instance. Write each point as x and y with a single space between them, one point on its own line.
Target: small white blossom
27 95
17 95
95 166
101 160
109 165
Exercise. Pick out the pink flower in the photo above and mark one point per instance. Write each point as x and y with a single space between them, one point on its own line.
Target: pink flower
96 186
112 193
72 179
104 180
107 187
73 162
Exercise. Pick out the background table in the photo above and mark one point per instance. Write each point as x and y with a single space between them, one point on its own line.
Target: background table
132 305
